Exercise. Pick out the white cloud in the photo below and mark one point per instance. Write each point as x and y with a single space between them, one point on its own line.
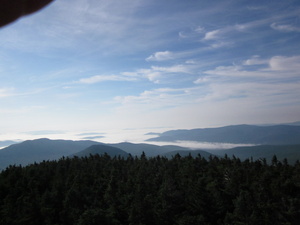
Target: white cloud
156 73
202 80
214 101
219 38
233 97
153 74
275 67
173 69
88 33
283 63
168 55
160 56
285 28
276 85
255 60
227 35
212 35
103 78
155 99
234 70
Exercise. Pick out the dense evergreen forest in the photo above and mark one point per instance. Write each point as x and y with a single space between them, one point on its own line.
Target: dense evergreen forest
140 190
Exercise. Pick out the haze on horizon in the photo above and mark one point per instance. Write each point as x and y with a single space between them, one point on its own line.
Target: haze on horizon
90 68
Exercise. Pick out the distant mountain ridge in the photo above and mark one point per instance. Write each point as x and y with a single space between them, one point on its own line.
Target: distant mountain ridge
31 151
236 134
101 149
289 152
148 149
40 149
6 143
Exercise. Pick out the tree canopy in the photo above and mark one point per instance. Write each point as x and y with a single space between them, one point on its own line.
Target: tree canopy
140 190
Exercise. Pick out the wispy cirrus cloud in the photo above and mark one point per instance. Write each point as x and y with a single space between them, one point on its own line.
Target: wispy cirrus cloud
86 26
156 98
227 35
264 82
274 68
161 56
154 74
104 78
216 95
290 65
285 27
188 64
256 79
255 60
213 35
181 68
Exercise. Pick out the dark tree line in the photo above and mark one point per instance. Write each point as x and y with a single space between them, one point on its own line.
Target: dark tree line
141 191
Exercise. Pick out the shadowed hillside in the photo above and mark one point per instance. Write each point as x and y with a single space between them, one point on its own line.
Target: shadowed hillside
101 150
239 134
39 150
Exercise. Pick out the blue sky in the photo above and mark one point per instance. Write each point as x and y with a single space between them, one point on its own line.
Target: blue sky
115 69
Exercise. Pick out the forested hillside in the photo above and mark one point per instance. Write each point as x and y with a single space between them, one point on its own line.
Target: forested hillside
182 190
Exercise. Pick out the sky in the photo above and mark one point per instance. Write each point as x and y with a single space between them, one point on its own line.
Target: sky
114 70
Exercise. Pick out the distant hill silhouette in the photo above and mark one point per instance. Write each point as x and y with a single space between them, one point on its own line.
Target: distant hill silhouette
45 149
238 134
38 150
101 149
6 143
41 149
290 152
148 149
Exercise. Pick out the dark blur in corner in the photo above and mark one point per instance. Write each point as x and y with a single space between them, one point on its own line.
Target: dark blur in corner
11 10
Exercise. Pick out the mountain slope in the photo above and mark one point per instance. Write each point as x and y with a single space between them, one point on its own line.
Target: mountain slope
6 143
44 149
41 149
290 152
238 134
101 149
148 149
